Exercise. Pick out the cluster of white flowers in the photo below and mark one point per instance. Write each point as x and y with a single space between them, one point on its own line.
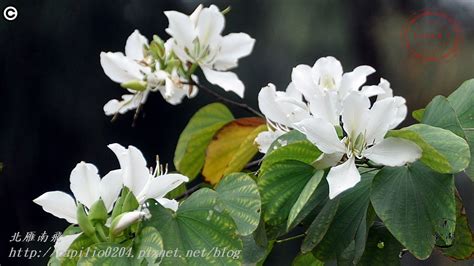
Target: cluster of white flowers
318 99
196 41
88 188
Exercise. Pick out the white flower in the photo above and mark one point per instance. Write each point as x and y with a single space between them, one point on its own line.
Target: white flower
325 86
282 110
63 243
126 219
87 188
144 184
365 129
198 39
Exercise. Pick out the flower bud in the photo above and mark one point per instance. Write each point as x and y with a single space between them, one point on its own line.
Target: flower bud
124 220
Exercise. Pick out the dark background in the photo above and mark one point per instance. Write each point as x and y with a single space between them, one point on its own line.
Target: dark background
52 87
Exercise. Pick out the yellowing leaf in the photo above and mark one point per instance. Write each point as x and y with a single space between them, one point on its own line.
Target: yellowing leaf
232 148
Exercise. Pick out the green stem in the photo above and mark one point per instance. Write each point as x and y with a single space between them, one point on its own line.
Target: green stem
290 238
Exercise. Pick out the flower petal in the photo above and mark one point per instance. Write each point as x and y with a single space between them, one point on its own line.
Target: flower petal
342 177
265 139
161 185
326 106
59 204
354 113
110 187
85 183
134 46
63 243
135 172
209 26
126 104
379 119
226 80
180 27
125 220
388 92
168 203
393 152
353 80
327 67
322 134
372 90
303 81
327 160
120 68
233 47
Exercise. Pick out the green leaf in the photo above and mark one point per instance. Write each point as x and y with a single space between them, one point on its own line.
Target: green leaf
287 138
443 151
381 248
232 147
416 204
418 114
107 254
280 187
463 244
304 197
307 259
255 246
74 253
98 212
456 113
348 226
301 150
148 245
198 232
239 197
193 141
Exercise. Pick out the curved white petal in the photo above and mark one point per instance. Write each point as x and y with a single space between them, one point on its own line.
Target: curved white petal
120 68
342 177
372 90
59 204
354 113
226 80
327 69
110 187
168 203
63 243
401 111
195 15
388 92
301 78
265 139
233 47
379 119
161 185
326 106
327 160
115 106
135 172
134 46
181 28
353 80
393 152
125 220
173 93
209 26
292 92
85 183
322 134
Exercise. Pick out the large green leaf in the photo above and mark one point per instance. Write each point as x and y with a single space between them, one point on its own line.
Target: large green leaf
198 232
416 204
381 248
280 187
239 197
300 150
346 235
255 246
304 197
443 151
72 255
463 244
193 141
107 254
148 245
455 113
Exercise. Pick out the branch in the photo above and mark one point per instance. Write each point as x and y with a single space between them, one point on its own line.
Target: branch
290 238
225 100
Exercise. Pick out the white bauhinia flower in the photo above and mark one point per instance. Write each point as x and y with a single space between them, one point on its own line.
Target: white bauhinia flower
282 109
135 66
141 181
365 129
325 86
198 39
87 188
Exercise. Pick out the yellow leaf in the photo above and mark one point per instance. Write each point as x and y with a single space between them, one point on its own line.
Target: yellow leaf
232 148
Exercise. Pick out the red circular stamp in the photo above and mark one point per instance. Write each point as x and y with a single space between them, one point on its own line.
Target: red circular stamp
432 36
